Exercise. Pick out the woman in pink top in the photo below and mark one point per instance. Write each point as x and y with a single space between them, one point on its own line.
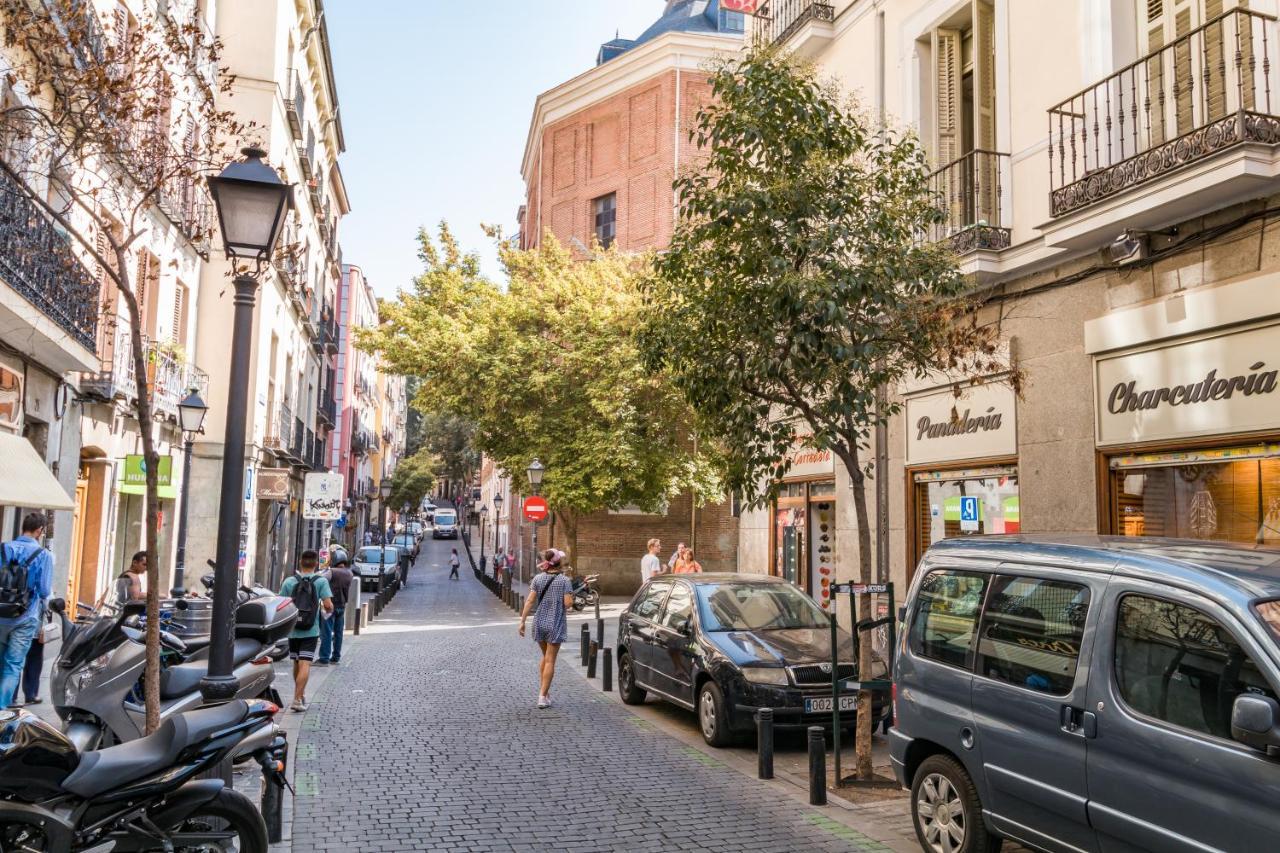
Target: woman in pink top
685 564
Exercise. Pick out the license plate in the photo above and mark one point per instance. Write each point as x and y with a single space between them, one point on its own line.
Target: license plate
818 705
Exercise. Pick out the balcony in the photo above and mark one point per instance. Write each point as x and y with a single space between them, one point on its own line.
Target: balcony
806 25
295 106
307 157
318 459
298 447
309 448
169 376
187 205
38 262
1186 129
279 437
326 411
359 444
969 193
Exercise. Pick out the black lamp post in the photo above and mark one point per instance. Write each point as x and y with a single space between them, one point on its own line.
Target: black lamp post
384 492
191 412
497 517
252 203
484 516
535 472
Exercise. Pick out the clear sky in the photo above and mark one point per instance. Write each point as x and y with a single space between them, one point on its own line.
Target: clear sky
436 97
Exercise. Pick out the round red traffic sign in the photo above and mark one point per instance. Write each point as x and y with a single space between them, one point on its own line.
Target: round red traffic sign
536 509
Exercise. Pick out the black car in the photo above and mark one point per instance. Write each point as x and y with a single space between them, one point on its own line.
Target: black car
726 645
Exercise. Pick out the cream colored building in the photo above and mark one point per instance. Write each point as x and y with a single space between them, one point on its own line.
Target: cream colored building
278 51
1108 170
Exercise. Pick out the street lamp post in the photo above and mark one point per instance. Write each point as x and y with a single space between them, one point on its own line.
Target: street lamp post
497 518
535 472
252 203
384 492
191 412
484 516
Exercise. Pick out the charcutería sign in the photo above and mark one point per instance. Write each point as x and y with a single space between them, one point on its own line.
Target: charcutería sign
1125 397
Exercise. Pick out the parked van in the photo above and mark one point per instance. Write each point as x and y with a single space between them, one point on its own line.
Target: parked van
1091 693
444 524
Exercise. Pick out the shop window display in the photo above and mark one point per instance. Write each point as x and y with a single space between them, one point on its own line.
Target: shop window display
939 505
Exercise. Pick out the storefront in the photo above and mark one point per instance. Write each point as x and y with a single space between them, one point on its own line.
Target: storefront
961 463
803 534
1188 428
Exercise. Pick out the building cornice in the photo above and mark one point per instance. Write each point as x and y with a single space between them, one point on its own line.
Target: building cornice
668 52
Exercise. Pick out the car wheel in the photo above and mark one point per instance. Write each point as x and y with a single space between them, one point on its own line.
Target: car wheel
631 693
947 811
713 717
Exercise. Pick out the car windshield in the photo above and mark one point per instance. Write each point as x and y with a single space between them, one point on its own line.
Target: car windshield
445 517
1270 613
370 555
756 607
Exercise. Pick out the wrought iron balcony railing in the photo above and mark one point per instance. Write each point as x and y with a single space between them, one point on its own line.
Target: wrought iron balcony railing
279 435
779 19
968 192
38 262
1203 92
295 105
297 450
169 375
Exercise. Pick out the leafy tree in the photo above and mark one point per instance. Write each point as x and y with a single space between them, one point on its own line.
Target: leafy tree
413 479
112 128
798 283
450 438
548 368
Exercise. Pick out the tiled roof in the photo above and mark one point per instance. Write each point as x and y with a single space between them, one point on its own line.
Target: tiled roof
688 16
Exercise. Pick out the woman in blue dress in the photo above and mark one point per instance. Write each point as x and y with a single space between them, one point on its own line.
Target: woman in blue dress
551 596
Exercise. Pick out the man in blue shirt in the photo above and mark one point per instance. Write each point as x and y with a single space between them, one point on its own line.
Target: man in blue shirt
17 633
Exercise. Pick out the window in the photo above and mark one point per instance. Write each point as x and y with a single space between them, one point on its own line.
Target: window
755 607
939 498
651 602
1031 633
946 616
180 314
1176 664
732 22
679 609
606 213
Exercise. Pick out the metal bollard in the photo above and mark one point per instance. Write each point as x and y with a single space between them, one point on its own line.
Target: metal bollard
764 743
817 767
600 632
584 642
591 659
606 682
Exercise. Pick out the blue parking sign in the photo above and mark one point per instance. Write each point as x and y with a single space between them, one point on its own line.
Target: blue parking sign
968 513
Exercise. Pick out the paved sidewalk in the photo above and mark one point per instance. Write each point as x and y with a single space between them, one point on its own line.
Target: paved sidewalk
428 739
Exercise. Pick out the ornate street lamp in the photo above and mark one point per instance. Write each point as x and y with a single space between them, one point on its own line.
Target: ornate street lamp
484 516
384 492
252 203
497 517
535 472
191 414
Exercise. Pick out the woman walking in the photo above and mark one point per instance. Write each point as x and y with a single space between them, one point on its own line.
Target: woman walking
551 595
454 562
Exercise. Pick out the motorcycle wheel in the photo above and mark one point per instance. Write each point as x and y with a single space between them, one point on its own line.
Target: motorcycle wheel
592 597
578 604
228 822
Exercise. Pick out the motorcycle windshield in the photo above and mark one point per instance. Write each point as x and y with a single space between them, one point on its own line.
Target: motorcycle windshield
83 643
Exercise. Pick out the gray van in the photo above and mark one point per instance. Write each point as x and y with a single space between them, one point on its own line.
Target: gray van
1091 694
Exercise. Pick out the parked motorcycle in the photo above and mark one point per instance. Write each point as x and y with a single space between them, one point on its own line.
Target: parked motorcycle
138 796
584 593
96 684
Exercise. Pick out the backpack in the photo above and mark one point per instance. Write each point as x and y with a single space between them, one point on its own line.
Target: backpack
307 601
15 586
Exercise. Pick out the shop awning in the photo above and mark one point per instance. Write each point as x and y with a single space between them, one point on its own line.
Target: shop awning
25 481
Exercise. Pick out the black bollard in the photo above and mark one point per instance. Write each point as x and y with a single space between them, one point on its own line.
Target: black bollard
607 676
600 632
585 642
591 659
817 767
764 743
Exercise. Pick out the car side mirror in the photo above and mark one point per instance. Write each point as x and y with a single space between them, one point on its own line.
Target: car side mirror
902 613
686 628
1255 722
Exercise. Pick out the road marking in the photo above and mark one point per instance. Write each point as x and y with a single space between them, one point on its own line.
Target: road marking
305 752
701 757
306 784
848 833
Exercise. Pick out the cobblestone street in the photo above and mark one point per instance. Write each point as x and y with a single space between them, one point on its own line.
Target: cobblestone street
427 738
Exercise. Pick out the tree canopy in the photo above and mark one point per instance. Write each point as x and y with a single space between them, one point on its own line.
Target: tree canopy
547 367
413 479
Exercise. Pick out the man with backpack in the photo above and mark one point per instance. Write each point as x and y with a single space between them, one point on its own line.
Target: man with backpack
340 577
26 578
310 593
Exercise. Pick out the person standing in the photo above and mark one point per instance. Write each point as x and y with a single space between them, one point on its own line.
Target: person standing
26 579
686 564
340 577
311 595
675 556
551 595
129 585
454 562
650 565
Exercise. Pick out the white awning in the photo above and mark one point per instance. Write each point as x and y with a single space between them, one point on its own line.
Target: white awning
25 480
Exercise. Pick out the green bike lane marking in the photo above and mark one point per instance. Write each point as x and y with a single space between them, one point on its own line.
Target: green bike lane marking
848 833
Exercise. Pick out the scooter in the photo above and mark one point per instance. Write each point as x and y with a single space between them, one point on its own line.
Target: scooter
97 687
584 594
142 795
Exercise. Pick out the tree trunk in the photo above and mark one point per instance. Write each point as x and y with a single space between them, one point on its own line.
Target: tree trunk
570 523
862 733
151 518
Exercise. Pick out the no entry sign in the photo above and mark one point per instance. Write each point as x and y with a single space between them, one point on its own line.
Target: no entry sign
536 509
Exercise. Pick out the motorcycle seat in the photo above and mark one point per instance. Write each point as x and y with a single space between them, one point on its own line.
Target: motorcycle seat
185 678
117 766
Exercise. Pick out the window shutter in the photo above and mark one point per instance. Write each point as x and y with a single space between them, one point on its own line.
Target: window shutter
140 288
948 99
1152 26
180 314
109 294
986 167
1184 80
121 27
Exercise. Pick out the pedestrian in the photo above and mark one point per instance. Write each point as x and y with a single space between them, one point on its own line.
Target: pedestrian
368 537
499 564
340 577
671 561
311 595
686 564
551 596
129 585
650 565
26 579
454 562
50 631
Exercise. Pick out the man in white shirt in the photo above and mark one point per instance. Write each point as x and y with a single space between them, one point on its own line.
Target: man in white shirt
650 565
